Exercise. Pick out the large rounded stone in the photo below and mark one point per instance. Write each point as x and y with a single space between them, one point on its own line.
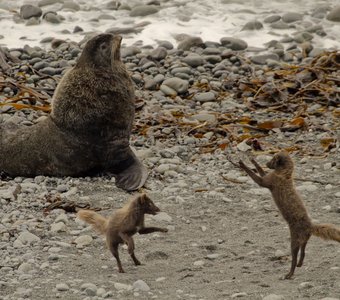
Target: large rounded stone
189 42
253 25
233 43
143 10
28 11
292 17
177 84
334 14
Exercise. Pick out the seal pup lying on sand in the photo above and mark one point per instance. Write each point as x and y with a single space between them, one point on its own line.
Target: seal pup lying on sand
89 127
280 183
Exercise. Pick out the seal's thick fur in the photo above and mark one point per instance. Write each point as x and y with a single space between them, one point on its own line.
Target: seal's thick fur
89 127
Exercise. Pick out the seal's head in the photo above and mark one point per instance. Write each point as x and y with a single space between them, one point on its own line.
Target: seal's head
102 51
281 162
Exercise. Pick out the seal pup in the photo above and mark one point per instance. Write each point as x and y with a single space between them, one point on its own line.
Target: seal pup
123 224
280 183
89 127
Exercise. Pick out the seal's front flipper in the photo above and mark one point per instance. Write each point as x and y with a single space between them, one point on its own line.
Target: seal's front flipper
133 177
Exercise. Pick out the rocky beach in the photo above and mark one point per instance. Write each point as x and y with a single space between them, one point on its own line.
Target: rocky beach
214 81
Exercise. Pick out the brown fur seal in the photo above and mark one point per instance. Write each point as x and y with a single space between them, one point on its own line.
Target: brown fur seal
89 127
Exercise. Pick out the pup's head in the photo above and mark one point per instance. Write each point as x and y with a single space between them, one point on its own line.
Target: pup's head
281 162
101 51
147 205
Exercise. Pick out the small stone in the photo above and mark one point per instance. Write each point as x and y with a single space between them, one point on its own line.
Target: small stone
305 285
32 21
159 53
71 6
52 17
272 19
90 289
213 256
253 25
122 287
327 166
279 25
28 238
62 287
83 240
205 97
140 285
179 85
25 268
205 117
279 254
233 43
162 217
190 42
337 194
193 60
199 263
61 218
263 58
58 227
307 188
143 10
292 17
243 146
239 295
273 297
62 188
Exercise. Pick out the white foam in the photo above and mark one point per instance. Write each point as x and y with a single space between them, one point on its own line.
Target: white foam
211 20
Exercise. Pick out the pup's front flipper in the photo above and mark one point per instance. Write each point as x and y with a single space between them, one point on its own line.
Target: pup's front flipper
134 176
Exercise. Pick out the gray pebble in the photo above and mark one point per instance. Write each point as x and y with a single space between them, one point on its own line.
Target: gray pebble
190 42
159 53
140 285
28 11
279 25
52 17
28 238
272 19
70 5
62 287
253 25
273 297
262 58
193 60
32 21
292 17
334 14
177 84
205 97
143 10
234 43
83 240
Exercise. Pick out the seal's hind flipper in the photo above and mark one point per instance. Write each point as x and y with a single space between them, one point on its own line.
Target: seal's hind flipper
133 177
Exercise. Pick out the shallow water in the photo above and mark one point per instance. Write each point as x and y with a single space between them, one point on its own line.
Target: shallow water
210 20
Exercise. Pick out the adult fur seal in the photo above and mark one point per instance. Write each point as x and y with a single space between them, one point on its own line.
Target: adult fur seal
89 127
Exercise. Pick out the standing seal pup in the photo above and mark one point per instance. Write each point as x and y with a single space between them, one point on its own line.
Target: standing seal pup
89 127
